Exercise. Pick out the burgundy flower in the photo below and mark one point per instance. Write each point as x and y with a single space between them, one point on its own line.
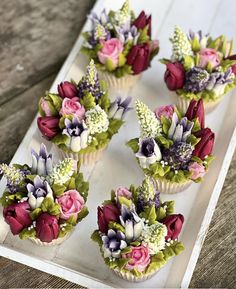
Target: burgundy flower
233 57
17 217
142 21
106 214
47 228
174 225
48 126
174 76
205 145
196 110
67 89
139 57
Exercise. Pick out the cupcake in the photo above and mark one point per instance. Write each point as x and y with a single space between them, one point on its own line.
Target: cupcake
175 149
80 120
200 68
121 45
137 233
43 202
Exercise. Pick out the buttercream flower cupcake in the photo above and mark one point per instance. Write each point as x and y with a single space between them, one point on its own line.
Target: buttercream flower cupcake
137 233
200 68
80 120
175 149
121 46
43 202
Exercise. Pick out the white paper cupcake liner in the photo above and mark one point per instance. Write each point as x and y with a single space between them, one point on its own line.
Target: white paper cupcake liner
123 84
131 278
85 159
167 187
184 103
54 242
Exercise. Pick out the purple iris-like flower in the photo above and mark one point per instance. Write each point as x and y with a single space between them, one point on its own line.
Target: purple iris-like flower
103 19
113 243
119 107
202 39
42 162
74 127
180 130
77 133
131 222
126 33
38 191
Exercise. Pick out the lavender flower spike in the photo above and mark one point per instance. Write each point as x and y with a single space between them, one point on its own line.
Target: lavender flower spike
119 108
77 133
132 223
38 191
42 162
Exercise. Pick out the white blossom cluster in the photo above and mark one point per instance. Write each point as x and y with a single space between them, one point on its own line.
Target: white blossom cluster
97 120
150 125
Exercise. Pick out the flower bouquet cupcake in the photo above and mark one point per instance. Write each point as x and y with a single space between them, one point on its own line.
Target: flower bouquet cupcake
80 120
43 202
200 68
137 233
175 149
121 46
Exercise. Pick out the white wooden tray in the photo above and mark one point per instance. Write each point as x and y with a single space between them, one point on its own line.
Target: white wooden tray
78 259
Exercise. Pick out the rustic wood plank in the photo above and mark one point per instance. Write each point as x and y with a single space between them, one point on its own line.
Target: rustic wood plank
216 267
35 38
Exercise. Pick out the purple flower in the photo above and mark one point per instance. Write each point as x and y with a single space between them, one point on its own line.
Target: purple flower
180 130
202 39
42 162
103 19
119 108
113 243
131 222
37 191
127 33
90 83
77 133
196 80
179 155
149 152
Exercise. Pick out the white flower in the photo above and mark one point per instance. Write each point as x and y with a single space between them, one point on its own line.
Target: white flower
97 120
149 152
154 236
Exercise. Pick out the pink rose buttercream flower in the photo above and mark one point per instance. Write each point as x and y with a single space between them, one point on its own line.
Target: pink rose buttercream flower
72 106
123 192
140 258
165 110
209 55
197 170
71 203
111 50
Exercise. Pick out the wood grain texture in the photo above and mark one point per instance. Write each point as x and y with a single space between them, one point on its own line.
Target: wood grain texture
35 38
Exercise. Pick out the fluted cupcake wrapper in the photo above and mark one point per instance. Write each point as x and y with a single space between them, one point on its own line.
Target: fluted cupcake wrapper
54 242
167 187
131 278
122 84
85 159
184 103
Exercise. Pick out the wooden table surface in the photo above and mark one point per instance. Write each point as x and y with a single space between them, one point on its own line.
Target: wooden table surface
35 38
